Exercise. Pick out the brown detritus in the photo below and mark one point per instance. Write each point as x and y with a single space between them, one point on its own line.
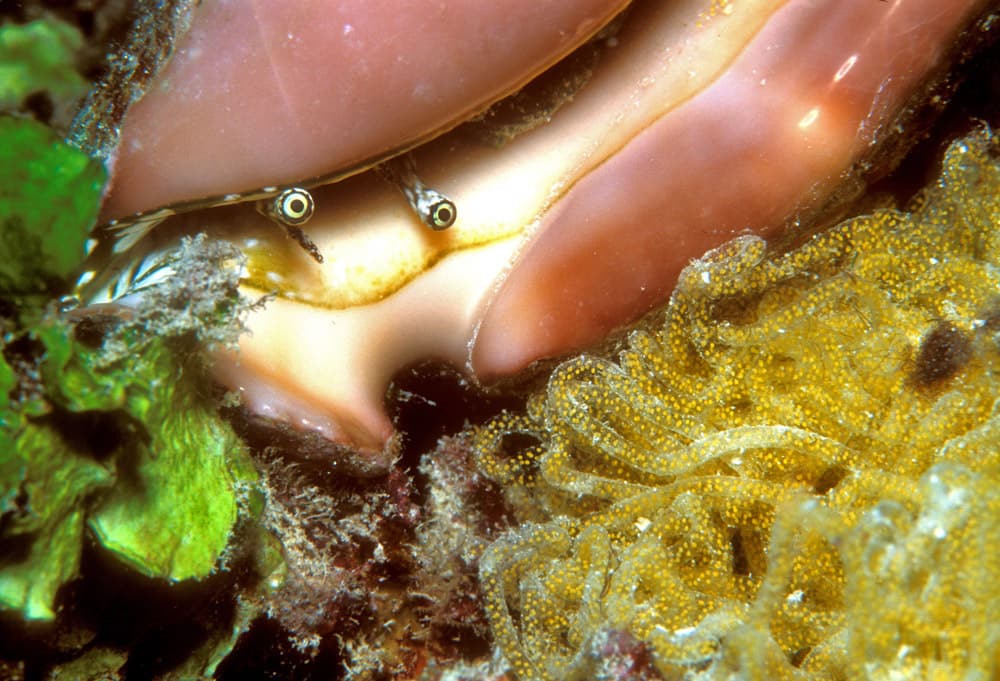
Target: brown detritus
400 489
148 45
369 568
464 511
456 625
200 300
92 329
944 350
459 489
24 355
334 535
381 563
485 670
620 656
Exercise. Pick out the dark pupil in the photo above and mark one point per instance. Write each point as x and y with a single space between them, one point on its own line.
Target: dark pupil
297 206
443 214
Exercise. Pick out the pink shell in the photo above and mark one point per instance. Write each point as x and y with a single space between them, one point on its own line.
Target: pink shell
645 184
269 93
772 136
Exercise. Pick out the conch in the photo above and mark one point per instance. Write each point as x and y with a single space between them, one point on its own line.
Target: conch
674 128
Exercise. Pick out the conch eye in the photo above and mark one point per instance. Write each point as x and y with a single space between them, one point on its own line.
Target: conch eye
442 214
292 207
433 208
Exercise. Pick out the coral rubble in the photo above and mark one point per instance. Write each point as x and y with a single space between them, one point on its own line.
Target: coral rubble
794 476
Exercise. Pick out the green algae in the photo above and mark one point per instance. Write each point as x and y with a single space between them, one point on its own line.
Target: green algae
97 664
110 435
115 434
165 500
43 528
39 56
190 464
49 194
49 197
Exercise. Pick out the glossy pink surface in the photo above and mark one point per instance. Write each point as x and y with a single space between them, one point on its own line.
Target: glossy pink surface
262 93
772 136
689 132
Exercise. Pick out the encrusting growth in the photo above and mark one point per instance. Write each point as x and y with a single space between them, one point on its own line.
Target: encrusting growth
797 476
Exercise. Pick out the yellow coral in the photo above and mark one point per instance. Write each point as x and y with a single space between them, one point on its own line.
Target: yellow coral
796 477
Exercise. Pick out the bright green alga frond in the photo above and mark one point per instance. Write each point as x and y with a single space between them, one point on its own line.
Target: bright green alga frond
192 470
49 197
176 524
46 485
166 500
39 56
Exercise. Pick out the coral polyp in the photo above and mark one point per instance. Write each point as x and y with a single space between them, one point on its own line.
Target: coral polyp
791 474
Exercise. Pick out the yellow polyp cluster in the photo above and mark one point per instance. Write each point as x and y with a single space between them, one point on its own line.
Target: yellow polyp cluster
797 476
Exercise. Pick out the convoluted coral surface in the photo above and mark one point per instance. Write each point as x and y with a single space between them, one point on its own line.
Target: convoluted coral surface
796 476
